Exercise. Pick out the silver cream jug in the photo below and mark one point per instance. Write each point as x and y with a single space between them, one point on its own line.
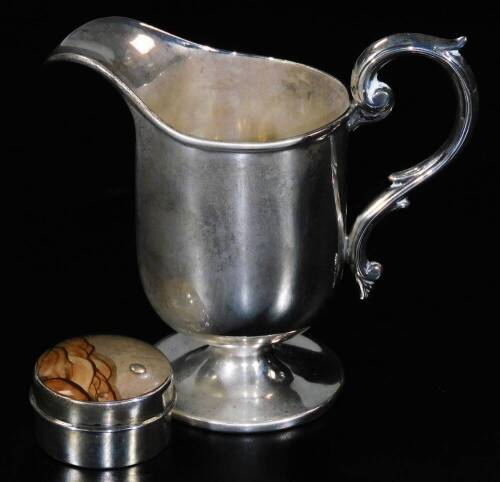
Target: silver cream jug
241 207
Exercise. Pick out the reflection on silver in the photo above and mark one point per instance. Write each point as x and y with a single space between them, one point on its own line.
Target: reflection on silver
373 100
236 389
241 206
255 455
54 471
102 435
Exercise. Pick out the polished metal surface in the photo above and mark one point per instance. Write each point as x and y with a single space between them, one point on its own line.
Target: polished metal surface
102 448
242 240
241 207
373 100
235 243
248 389
130 411
102 434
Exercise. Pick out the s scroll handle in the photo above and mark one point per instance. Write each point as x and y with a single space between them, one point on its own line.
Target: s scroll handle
373 100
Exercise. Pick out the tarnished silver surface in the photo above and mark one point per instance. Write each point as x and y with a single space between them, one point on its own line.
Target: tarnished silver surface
373 100
241 207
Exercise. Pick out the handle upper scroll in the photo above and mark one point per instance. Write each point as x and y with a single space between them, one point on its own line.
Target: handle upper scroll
373 100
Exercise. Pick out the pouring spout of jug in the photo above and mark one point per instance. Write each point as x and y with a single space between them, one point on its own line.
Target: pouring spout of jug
128 53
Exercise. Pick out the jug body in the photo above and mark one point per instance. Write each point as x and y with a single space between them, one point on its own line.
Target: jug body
239 243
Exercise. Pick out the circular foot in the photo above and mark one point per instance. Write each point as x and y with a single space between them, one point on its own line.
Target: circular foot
242 389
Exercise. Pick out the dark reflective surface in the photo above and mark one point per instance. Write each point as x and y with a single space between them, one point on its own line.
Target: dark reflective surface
332 448
196 454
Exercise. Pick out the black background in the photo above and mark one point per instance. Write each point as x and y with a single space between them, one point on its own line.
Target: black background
420 356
